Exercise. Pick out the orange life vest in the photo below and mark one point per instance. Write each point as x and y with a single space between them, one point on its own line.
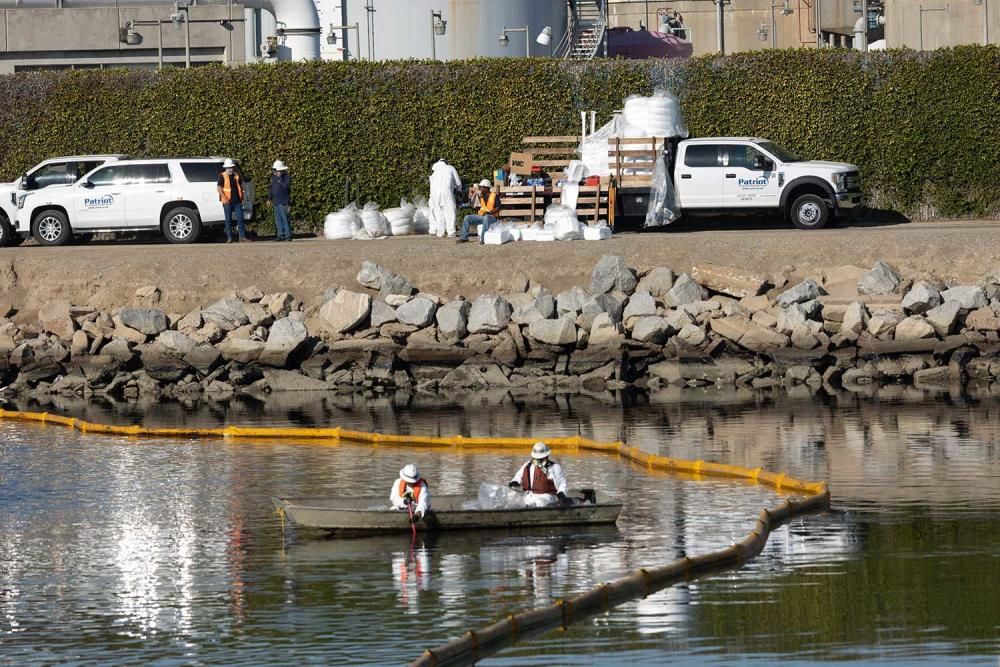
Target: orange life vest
489 205
227 187
537 483
417 488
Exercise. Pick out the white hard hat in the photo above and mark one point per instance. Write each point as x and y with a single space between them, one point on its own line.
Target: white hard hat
485 183
228 164
279 166
409 473
540 451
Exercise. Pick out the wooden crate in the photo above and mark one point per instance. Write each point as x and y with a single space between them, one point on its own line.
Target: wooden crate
527 203
632 160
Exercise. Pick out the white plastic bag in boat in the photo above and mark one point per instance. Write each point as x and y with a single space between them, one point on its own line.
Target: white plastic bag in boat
374 221
497 497
343 223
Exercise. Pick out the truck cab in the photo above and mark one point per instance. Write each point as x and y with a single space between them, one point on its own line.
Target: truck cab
748 174
54 172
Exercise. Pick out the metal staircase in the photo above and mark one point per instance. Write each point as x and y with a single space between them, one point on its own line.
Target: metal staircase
587 31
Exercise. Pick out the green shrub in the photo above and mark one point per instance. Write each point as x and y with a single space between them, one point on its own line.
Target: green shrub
922 126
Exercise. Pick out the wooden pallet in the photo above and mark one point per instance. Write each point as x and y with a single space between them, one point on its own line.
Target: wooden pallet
632 160
527 203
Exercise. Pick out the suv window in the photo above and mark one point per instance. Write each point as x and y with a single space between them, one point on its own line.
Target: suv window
744 156
57 173
113 175
201 172
701 156
138 174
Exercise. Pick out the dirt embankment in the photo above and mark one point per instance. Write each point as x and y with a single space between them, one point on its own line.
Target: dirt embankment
106 276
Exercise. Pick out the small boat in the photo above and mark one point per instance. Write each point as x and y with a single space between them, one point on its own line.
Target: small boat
373 514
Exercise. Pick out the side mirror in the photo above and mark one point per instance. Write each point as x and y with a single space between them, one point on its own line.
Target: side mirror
761 163
87 184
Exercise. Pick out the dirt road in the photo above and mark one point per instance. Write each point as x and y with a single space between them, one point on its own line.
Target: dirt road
106 275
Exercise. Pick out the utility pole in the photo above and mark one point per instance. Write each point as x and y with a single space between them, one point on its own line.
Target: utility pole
864 26
818 21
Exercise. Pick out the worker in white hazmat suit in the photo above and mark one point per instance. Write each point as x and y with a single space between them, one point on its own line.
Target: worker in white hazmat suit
444 183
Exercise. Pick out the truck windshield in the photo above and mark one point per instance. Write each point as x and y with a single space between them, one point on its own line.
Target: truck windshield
782 154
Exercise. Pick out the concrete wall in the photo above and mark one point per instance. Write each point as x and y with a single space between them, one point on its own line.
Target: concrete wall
743 21
31 38
937 23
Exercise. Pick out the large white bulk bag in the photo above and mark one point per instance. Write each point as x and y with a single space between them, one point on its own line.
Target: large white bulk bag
342 224
374 221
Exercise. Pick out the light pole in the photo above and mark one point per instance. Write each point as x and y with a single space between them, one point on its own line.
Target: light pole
986 19
505 40
129 36
331 37
438 28
785 11
720 23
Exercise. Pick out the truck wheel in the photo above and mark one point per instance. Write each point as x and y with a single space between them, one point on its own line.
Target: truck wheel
51 228
809 212
7 233
181 225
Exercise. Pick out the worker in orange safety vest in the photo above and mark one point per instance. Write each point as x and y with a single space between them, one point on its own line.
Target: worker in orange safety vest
410 489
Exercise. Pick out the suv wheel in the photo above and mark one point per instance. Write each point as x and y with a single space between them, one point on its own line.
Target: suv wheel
7 233
181 225
51 228
810 212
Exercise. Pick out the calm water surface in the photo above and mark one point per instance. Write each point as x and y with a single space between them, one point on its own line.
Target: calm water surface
118 551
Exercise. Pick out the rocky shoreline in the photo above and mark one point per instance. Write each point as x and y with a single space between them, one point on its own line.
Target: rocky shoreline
850 327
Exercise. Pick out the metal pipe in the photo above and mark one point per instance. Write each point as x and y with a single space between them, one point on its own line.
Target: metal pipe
774 28
720 25
434 55
986 22
159 43
187 40
819 20
864 29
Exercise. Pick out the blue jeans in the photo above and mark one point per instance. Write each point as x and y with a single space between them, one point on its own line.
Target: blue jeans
484 222
283 229
241 225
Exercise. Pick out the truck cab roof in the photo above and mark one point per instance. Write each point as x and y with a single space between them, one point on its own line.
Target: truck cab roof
715 140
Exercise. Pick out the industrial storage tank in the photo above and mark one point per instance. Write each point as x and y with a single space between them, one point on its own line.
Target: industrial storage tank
404 28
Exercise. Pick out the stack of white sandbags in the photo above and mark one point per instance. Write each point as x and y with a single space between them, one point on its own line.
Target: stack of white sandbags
401 219
563 223
373 221
342 224
656 116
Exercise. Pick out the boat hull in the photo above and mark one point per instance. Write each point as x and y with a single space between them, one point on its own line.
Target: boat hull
372 515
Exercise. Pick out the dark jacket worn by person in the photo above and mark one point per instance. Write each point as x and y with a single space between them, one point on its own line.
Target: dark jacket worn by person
281 189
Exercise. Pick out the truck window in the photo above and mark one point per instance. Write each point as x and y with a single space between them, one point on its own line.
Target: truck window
57 173
201 172
744 156
80 169
113 175
701 156
147 173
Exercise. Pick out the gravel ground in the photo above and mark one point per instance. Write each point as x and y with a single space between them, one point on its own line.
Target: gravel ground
106 275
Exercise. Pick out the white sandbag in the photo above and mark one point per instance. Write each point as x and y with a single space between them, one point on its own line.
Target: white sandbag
497 236
529 233
563 223
421 216
374 221
545 235
570 195
342 224
401 219
596 233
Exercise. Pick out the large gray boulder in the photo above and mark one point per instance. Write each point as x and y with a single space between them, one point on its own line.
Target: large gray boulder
604 330
571 301
880 280
489 314
176 342
376 277
657 282
807 290
453 319
968 296
611 273
914 328
55 318
280 380
553 332
650 329
382 313
685 290
855 320
639 304
943 317
922 297
241 350
612 303
203 358
287 336
227 314
541 307
145 320
346 311
729 280
418 312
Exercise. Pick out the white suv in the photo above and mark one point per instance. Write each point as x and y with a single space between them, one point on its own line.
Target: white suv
55 172
177 196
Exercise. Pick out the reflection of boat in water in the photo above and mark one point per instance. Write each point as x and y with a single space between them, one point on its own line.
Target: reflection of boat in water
370 514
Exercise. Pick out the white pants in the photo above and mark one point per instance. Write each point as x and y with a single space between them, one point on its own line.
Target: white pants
539 499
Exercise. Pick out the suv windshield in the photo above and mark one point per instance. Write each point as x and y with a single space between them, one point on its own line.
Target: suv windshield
777 151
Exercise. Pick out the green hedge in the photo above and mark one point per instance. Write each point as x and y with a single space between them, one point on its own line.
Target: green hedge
922 126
